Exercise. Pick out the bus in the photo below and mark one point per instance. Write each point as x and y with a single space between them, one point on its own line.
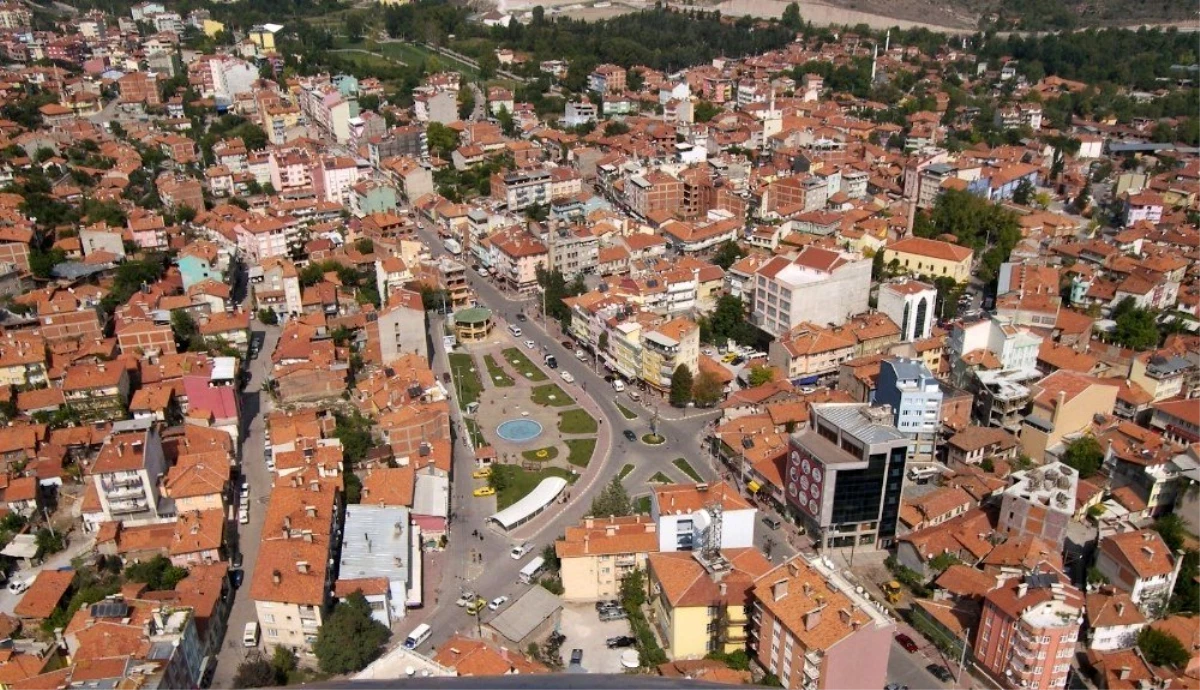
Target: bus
531 570
418 636
452 246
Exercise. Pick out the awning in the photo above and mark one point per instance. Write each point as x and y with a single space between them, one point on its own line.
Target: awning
754 486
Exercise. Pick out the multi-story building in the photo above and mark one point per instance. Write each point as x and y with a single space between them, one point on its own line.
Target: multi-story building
295 572
1161 374
912 305
329 110
686 513
844 475
596 553
1177 420
515 258
127 475
409 141
1140 563
1028 628
1064 404
607 79
401 324
23 361
932 258
654 193
817 286
572 250
334 178
97 391
1039 503
698 600
667 347
808 353
811 629
264 237
520 190
915 397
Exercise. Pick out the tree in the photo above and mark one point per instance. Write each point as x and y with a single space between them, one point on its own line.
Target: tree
507 124
184 326
791 17
488 65
615 128
603 341
442 140
1083 198
1136 328
942 561
1186 596
49 541
255 672
681 386
157 573
705 111
1084 455
350 639
634 80
612 501
707 390
466 103
761 374
355 25
1170 527
1023 194
1162 649
268 317
728 254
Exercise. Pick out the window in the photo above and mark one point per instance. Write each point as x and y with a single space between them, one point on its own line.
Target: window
268 618
272 632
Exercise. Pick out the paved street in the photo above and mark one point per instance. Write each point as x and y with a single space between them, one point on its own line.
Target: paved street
255 405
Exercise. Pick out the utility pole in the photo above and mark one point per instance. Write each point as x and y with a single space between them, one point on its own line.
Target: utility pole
962 657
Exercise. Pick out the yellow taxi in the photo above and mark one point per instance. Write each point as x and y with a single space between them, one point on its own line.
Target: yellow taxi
483 491
482 474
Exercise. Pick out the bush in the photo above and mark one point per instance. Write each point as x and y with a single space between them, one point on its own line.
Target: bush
256 672
907 577
1162 649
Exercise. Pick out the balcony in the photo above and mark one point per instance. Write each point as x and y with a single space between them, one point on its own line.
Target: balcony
121 493
124 507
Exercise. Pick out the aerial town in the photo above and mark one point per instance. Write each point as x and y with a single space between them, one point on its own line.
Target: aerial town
407 341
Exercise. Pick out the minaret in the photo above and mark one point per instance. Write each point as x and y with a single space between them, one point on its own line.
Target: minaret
874 61
887 42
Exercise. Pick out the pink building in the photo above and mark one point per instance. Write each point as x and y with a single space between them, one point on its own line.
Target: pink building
334 178
812 630
1028 628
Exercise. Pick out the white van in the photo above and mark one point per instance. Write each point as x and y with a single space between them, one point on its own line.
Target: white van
250 634
923 474
515 331
618 385
418 636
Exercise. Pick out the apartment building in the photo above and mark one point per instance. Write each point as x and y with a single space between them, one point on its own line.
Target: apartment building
572 250
127 475
1028 628
401 325
596 553
522 189
607 79
264 237
23 361
1064 404
654 193
809 354
1039 503
817 286
295 574
685 514
97 391
667 347
1139 562
812 630
915 397
844 475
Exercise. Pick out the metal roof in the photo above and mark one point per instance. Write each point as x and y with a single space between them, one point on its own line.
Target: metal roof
375 543
533 502
525 614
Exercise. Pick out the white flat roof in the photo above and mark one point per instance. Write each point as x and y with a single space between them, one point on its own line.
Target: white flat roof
532 504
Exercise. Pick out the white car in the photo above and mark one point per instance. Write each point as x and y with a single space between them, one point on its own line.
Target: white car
566 376
496 603
530 344
520 550
18 586
580 355
244 515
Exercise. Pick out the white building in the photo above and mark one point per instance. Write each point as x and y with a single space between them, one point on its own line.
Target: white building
911 304
915 396
816 286
1140 563
685 514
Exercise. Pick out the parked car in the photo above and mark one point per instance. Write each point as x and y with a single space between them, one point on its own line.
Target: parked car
18 586
499 601
235 577
940 672
237 560
566 376
476 606
580 355
568 344
576 657
906 642
629 435
612 615
620 641
607 604
772 522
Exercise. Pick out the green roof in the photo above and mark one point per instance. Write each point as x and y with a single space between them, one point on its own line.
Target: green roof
473 315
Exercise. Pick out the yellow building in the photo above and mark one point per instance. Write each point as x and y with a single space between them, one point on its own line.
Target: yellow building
598 552
667 347
211 28
625 344
931 258
699 605
1064 403
23 361
277 120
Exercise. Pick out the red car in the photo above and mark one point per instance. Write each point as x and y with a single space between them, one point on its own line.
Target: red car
906 642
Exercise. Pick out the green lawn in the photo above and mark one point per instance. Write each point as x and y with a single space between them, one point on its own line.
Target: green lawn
517 482
496 373
642 505
626 412
521 363
625 472
466 379
411 54
576 422
660 478
581 450
550 452
686 469
477 438
550 395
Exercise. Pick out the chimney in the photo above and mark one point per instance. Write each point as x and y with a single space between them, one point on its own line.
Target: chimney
1120 608
287 522
812 619
723 587
1022 590
844 614
310 511
302 567
779 590
276 576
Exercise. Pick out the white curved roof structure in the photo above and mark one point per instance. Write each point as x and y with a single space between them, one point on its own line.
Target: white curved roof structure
533 503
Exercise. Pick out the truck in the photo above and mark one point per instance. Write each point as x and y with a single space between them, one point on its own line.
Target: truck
531 570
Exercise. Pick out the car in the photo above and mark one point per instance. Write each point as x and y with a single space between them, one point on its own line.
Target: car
250 634
607 604
551 362
483 491
482 474
476 606
620 641
18 586
499 601
576 657
738 361
465 598
244 517
940 672
771 521
729 357
520 316
530 344
237 560
580 355
566 376
895 686
613 615
235 577
906 642
520 550
629 435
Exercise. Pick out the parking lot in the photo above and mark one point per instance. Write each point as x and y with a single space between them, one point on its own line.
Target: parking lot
581 624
